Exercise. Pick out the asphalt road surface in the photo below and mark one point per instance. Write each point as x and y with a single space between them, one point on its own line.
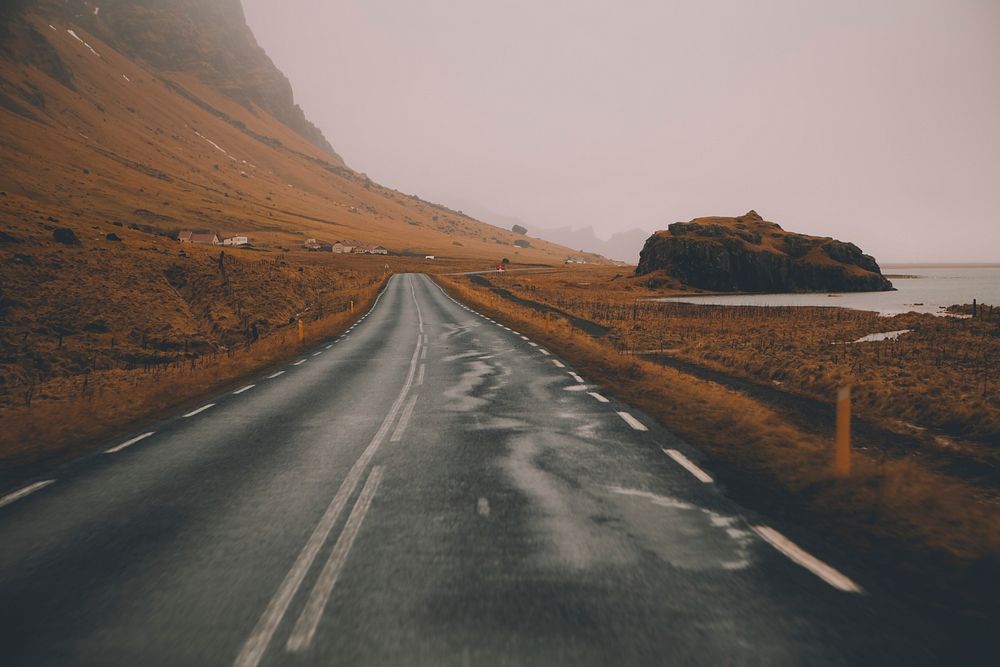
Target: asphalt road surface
432 488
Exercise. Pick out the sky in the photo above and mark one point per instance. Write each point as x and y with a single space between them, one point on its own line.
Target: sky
873 121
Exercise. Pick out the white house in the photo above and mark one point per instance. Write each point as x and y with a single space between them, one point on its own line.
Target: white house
237 241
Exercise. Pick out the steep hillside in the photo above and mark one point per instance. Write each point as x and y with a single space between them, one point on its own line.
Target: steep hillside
749 254
121 127
168 114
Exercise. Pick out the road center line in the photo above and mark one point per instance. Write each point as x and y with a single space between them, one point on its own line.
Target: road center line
199 410
404 419
632 421
806 560
246 388
26 491
688 465
600 399
257 643
420 375
305 628
128 443
274 375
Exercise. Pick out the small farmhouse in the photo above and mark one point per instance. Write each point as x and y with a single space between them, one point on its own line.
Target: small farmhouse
237 241
346 246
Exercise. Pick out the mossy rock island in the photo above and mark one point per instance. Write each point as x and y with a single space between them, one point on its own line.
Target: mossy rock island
750 254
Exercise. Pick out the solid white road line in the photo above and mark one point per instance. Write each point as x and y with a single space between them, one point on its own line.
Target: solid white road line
599 398
811 563
128 443
26 491
558 363
404 419
246 388
256 644
688 465
420 375
305 628
576 377
632 421
199 410
274 375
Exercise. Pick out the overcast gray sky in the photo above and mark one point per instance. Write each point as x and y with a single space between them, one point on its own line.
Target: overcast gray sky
874 121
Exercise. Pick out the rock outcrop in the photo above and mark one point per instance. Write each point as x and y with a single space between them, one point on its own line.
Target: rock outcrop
207 38
749 254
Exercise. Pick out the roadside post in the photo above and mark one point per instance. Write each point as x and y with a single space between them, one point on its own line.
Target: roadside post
302 331
842 456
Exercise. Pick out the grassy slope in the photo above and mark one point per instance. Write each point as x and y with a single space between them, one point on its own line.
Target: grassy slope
130 151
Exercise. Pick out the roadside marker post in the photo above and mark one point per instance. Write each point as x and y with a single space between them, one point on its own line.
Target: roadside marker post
302 331
842 457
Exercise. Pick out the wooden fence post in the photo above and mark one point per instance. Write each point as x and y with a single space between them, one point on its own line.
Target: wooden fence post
842 457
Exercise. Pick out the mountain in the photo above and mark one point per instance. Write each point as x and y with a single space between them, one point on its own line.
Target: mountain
123 123
623 246
168 114
749 254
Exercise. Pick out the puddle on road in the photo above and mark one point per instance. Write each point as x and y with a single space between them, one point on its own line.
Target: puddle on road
583 524
461 396
684 534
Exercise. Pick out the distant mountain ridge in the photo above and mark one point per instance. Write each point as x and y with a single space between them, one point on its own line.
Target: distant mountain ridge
623 246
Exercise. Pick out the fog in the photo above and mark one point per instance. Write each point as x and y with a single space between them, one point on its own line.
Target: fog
876 121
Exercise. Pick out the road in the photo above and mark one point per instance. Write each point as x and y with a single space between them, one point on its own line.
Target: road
432 488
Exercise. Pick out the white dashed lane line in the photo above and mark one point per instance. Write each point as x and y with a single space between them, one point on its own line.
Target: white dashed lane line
246 388
26 491
576 377
688 465
600 399
128 443
806 560
199 410
300 362
558 363
632 421
316 354
543 351
274 375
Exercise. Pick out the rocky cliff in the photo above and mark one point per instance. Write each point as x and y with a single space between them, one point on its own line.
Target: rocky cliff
749 254
208 39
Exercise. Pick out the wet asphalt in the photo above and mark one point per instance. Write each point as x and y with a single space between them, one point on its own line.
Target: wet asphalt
429 489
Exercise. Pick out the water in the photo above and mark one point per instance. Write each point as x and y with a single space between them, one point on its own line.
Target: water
933 290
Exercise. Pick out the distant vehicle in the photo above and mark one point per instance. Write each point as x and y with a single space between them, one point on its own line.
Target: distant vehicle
430 257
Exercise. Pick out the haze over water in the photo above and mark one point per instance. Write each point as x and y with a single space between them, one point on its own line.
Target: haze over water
931 291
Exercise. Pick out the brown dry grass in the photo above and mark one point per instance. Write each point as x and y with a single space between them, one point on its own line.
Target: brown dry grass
902 501
944 376
76 409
